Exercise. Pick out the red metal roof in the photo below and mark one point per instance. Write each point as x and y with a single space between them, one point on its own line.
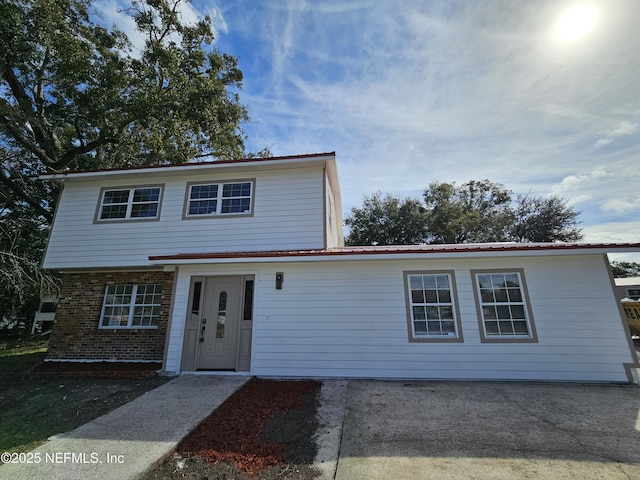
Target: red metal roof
405 249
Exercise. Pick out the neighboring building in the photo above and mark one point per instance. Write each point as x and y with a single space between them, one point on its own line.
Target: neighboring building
240 266
628 288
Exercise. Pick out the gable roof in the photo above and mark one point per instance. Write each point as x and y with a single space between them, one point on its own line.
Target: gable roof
398 252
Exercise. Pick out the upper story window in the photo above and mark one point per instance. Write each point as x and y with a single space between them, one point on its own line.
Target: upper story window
130 203
211 199
503 306
432 309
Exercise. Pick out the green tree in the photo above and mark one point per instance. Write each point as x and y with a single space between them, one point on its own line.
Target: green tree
544 219
625 269
476 211
386 220
76 94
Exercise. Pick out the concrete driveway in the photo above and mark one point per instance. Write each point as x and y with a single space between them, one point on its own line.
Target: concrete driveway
439 430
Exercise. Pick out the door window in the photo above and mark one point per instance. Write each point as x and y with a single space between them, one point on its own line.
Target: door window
222 315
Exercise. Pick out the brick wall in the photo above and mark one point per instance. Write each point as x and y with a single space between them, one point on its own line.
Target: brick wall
76 334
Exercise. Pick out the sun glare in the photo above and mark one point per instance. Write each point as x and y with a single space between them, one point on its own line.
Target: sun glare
576 22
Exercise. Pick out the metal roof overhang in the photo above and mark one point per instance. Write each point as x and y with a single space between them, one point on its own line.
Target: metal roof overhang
400 252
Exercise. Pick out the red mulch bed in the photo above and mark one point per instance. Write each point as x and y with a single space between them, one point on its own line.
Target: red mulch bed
94 369
230 433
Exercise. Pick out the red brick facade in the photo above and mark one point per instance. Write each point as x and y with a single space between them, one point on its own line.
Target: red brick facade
76 334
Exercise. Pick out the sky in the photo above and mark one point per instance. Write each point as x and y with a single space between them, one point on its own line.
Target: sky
542 96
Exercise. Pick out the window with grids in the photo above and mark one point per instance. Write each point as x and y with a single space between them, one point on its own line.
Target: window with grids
503 305
431 306
219 199
130 203
131 306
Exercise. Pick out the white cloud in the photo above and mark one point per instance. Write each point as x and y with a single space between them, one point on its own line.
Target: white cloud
602 142
609 190
626 204
624 232
574 183
447 91
188 14
615 232
621 129
114 13
218 22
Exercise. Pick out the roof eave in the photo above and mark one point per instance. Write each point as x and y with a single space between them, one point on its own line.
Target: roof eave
336 255
195 166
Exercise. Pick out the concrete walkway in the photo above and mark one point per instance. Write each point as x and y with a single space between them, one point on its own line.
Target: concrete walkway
124 443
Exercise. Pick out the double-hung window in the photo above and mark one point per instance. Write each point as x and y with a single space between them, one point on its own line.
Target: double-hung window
131 306
432 306
503 307
211 199
129 203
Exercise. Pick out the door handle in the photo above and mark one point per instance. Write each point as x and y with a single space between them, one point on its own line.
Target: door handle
204 320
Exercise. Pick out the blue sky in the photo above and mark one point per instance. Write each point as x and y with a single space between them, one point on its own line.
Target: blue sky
415 91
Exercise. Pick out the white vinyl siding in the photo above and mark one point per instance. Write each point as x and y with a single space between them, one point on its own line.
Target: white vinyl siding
348 319
288 214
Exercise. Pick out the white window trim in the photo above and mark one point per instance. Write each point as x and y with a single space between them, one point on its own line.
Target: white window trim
132 305
130 204
219 199
413 338
532 337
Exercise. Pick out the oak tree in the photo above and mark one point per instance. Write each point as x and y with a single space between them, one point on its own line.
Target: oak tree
78 94
386 220
476 211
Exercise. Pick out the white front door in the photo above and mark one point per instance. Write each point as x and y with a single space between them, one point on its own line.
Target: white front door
220 323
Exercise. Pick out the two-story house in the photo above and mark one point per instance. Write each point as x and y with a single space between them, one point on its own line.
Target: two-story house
240 266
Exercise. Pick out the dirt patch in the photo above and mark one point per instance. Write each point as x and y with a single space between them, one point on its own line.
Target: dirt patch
265 428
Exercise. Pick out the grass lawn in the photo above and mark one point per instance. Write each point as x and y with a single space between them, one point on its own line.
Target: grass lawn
31 410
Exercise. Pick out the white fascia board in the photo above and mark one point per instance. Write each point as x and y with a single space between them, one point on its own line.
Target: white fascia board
390 256
192 167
